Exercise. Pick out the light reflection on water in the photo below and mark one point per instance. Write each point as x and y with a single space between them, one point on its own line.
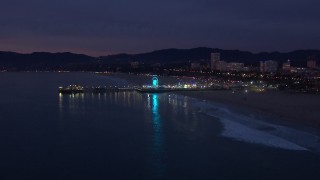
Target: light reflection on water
159 110
157 139
125 136
70 105
69 102
74 105
182 116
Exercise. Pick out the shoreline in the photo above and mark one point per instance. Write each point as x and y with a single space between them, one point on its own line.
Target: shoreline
298 110
283 108
243 124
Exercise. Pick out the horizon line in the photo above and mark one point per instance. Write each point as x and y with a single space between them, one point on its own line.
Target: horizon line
119 53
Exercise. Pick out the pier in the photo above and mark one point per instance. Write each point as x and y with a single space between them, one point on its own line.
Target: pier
75 89
154 88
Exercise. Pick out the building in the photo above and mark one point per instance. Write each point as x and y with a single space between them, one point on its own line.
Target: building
234 66
269 66
248 68
286 66
262 67
195 66
134 65
311 62
298 70
215 58
222 66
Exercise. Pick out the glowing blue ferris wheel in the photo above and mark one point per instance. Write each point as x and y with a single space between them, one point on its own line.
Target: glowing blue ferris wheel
155 82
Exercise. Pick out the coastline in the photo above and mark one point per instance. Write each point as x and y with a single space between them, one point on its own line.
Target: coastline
281 108
300 111
255 126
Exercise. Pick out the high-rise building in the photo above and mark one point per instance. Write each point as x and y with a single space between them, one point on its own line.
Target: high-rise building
215 58
286 66
271 66
262 66
268 66
311 62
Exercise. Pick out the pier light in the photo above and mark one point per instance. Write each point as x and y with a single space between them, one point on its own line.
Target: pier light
155 82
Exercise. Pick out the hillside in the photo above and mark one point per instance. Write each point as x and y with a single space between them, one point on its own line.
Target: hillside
71 61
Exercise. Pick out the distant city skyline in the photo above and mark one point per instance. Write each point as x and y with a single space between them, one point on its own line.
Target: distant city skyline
96 27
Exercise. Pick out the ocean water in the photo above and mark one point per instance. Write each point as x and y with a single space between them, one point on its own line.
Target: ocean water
128 135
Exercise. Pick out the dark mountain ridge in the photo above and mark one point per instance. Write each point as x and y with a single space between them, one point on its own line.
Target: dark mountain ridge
298 58
45 60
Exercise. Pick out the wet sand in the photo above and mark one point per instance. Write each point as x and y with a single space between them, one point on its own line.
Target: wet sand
301 109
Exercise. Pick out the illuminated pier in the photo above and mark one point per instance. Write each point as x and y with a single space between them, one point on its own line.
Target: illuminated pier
79 89
75 89
153 88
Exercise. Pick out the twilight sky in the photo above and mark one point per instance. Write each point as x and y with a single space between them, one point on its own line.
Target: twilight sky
101 27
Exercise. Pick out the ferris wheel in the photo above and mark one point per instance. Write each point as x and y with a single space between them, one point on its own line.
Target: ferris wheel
155 81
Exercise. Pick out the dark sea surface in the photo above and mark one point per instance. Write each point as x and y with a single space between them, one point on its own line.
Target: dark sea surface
125 135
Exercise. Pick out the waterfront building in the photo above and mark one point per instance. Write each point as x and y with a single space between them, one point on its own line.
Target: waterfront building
269 66
247 68
262 66
298 70
286 66
222 66
235 66
134 65
195 66
311 62
215 58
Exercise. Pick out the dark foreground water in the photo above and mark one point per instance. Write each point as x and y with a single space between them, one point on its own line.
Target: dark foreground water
44 135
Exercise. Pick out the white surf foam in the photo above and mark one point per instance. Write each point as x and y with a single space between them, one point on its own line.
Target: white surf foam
242 133
246 129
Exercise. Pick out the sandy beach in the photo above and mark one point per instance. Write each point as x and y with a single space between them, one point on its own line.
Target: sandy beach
301 109
282 107
274 119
